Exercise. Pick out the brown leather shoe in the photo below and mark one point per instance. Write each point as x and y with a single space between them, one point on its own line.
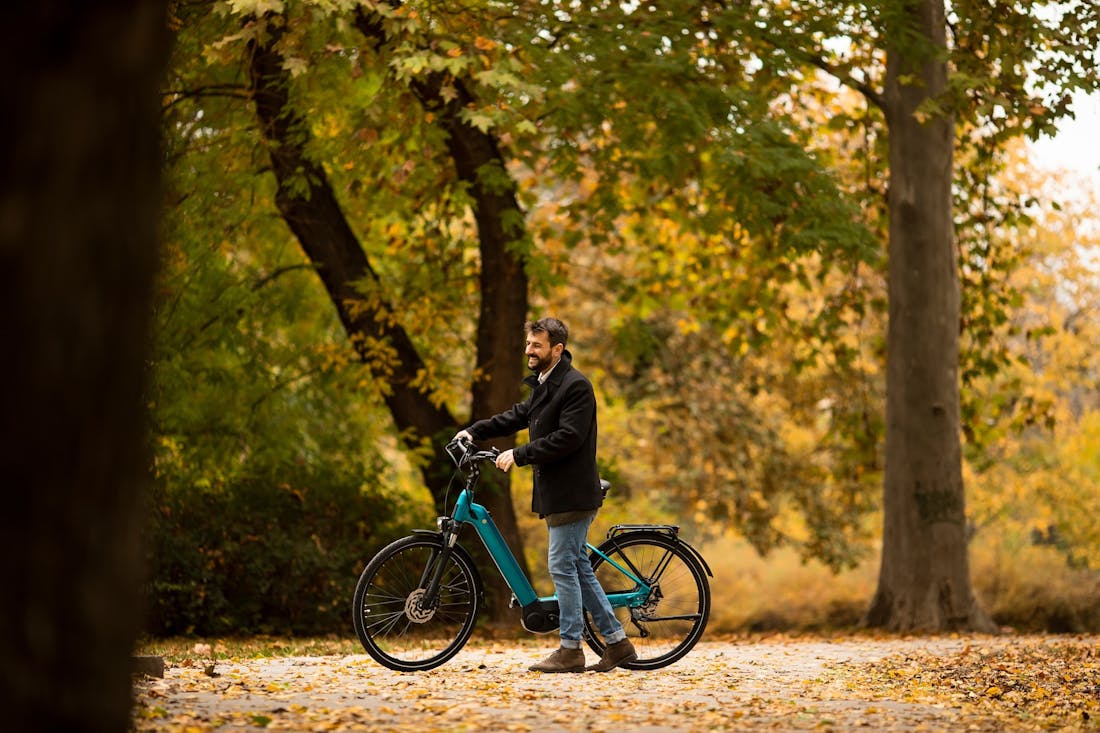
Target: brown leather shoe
562 660
613 655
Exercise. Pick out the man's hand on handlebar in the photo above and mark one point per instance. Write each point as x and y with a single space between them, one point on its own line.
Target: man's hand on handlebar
506 460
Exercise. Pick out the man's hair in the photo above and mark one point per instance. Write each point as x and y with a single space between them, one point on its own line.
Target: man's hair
552 327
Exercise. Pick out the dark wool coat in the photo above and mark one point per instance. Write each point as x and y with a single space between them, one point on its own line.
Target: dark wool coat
560 415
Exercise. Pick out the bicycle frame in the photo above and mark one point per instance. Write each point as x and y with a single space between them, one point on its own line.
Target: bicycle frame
467 511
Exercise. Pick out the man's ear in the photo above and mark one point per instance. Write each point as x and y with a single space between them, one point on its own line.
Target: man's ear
557 349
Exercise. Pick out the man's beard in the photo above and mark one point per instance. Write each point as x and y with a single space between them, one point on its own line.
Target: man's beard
538 366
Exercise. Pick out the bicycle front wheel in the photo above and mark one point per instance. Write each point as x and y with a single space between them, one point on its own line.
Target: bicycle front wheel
397 626
673 617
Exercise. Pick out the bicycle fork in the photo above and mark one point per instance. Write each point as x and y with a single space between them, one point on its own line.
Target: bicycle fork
422 603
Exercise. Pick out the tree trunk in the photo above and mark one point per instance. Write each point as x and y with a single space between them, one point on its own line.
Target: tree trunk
924 581
502 280
326 237
79 203
503 310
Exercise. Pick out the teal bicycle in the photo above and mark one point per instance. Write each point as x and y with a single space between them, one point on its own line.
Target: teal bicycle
417 600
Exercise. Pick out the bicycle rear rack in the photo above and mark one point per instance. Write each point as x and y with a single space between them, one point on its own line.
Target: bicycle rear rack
672 530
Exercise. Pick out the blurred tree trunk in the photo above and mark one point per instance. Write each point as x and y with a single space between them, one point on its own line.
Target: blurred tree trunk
79 202
924 580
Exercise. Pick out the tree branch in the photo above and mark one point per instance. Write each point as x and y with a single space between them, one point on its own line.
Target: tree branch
279 271
231 91
847 80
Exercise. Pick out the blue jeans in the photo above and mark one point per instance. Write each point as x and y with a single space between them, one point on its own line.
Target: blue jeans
577 588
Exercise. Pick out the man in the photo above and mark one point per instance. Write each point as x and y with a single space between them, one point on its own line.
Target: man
560 414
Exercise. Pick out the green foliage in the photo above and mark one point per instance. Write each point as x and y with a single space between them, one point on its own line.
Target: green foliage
1016 66
270 491
275 552
744 437
990 259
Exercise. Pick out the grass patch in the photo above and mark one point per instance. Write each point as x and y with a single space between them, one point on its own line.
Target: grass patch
192 651
176 650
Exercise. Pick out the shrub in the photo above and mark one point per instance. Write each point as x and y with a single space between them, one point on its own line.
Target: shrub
264 554
1035 587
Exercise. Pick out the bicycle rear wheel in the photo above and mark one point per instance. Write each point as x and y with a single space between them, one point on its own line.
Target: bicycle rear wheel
674 616
394 626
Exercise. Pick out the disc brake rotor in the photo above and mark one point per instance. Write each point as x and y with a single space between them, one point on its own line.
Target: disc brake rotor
415 611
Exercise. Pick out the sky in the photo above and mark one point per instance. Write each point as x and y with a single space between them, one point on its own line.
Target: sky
1076 147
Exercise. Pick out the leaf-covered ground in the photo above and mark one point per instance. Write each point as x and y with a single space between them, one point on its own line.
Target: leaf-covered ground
805 683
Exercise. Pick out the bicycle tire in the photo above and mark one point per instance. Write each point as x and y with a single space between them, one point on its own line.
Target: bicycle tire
676 614
393 630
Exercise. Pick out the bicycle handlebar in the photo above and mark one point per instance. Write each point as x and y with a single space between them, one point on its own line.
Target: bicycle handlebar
464 452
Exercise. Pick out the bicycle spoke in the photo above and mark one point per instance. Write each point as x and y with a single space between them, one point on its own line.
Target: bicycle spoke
387 624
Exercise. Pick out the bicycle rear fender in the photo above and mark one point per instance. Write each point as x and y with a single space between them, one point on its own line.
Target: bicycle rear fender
459 549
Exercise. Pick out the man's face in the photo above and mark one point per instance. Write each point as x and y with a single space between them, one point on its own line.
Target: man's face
540 355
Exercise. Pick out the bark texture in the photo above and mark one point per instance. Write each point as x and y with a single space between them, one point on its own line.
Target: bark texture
924 580
79 204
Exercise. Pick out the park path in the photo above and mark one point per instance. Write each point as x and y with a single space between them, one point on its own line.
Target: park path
782 684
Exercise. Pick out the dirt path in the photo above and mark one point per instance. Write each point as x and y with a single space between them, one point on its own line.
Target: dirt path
784 685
